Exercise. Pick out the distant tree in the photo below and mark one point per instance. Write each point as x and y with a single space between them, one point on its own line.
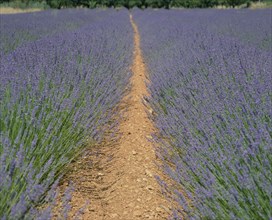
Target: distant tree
134 3
208 3
54 3
126 4
60 3
92 3
156 3
186 3
143 3
176 3
167 3
84 3
234 3
138 3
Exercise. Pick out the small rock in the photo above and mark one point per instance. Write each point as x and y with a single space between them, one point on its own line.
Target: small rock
150 111
134 152
100 174
149 187
139 200
137 213
138 180
91 208
158 209
144 179
148 173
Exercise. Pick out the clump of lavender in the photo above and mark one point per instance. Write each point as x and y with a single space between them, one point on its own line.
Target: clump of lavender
57 93
19 29
211 89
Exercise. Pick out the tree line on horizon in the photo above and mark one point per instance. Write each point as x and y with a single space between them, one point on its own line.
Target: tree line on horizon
133 3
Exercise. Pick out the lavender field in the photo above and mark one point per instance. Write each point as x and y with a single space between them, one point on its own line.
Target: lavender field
211 74
64 72
60 80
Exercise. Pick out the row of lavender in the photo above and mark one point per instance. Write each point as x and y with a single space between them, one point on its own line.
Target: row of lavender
20 29
57 93
211 89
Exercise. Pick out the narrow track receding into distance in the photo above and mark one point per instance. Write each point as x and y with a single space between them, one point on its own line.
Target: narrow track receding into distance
123 187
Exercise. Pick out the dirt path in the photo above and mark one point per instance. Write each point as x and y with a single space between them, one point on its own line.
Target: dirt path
120 184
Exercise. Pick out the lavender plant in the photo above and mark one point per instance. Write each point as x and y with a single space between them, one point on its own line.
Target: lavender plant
20 29
57 93
210 75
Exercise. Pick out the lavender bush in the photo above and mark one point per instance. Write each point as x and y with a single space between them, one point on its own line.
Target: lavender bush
211 89
57 93
18 29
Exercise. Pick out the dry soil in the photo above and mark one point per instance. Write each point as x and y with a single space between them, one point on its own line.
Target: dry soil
119 179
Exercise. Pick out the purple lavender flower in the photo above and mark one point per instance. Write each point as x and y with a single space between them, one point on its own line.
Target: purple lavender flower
62 74
210 73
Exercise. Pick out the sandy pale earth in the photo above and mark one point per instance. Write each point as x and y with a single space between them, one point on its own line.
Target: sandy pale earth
118 180
8 10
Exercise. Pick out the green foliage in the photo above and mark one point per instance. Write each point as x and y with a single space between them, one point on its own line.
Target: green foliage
43 148
126 3
23 4
60 3
234 3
